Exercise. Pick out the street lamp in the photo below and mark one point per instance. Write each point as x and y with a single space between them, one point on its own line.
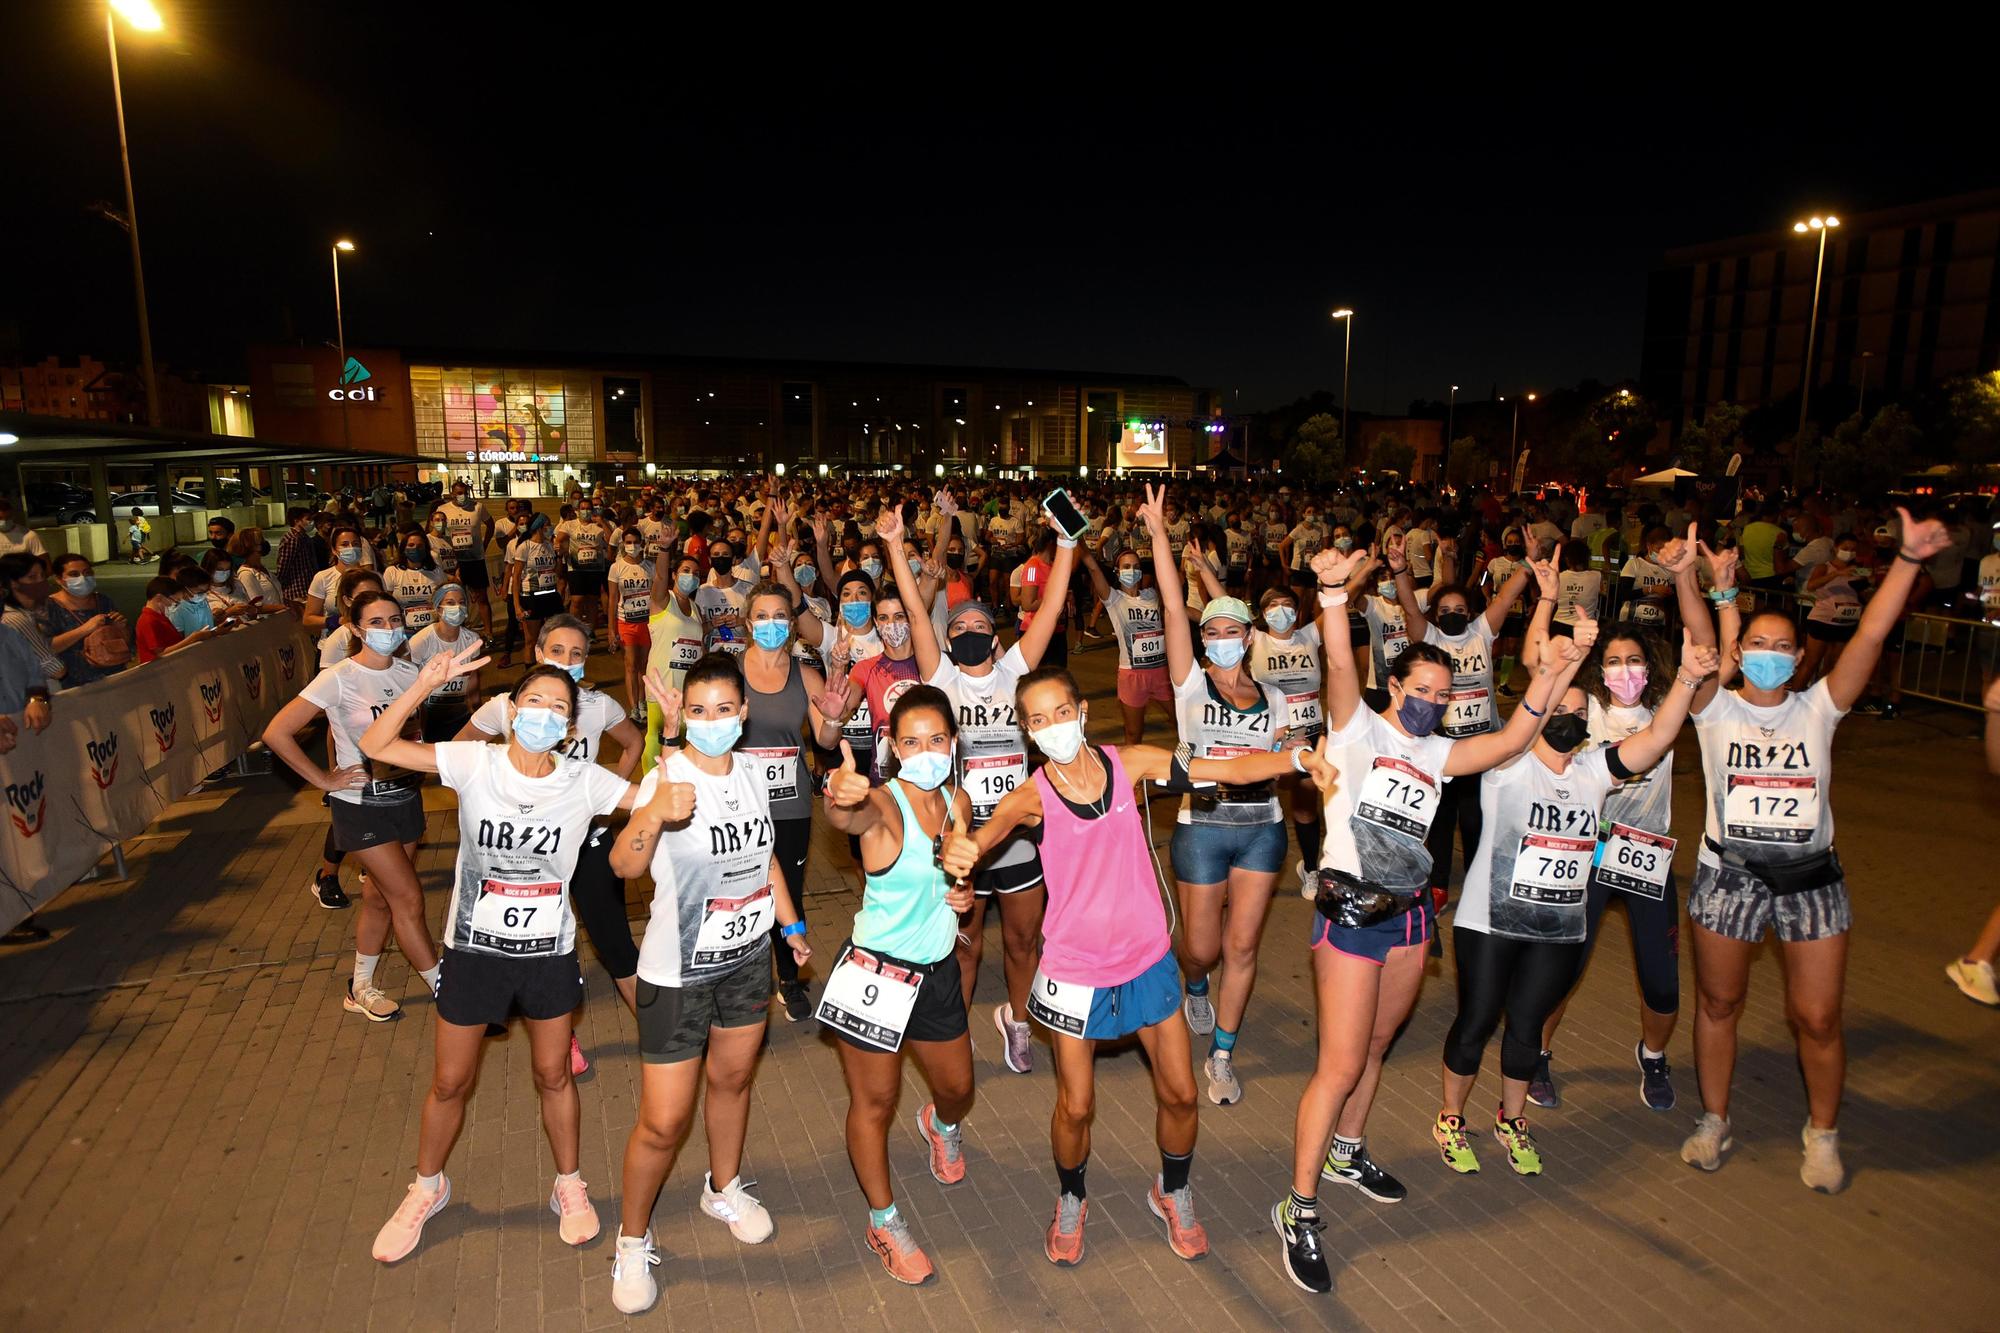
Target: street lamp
1514 445
141 15
1862 411
1444 454
1822 225
1346 361
340 333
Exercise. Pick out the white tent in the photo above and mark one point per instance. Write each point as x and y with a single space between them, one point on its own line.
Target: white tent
1663 479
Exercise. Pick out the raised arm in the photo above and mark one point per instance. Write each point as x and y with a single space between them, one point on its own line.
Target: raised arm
1211 586
1502 603
1336 574
850 801
1680 560
1849 676
1722 571
384 738
1476 754
1406 591
923 635
1100 584
1641 750
1173 616
1548 579
1036 639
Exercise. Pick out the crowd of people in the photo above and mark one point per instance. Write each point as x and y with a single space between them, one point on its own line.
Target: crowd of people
1397 682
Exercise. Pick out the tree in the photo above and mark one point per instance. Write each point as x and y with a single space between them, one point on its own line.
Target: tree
1471 462
1974 421
1315 454
1390 454
1866 458
1705 445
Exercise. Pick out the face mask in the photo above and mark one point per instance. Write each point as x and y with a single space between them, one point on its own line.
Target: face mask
218 576
1565 731
1281 619
80 585
714 737
1343 543
687 583
384 641
1060 741
894 636
458 498
955 559
218 542
1515 552
771 635
539 729
1625 683
1386 590
1453 622
631 555
855 613
439 526
806 576
350 555
1768 670
415 554
190 616
575 669
1420 716
1130 577
453 615
721 564
872 568
971 648
1225 653
926 771
1846 557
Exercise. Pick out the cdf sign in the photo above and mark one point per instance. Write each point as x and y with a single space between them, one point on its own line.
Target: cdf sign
354 386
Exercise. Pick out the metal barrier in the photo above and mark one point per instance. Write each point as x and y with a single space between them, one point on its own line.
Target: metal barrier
1946 659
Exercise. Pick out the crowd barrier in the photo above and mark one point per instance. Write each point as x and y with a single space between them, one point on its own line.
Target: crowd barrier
1946 659
118 752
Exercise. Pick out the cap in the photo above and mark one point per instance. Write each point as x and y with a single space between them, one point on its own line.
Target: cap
969 604
1226 608
437 595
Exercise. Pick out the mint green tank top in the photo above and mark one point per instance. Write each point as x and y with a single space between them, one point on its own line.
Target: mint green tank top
903 913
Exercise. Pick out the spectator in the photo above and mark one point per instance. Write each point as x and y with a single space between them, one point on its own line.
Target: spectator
85 630
302 553
14 534
168 608
137 529
220 530
24 586
254 583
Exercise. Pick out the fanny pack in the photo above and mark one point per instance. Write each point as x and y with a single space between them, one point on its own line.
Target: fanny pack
1251 804
1346 900
1784 878
391 791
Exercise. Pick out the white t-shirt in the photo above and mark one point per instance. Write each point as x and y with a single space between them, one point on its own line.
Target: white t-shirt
1419 546
631 590
352 696
1135 620
1217 729
22 538
586 543
596 713
518 839
1307 539
425 644
1652 589
1294 668
1530 877
992 749
413 590
712 894
254 585
1388 632
722 610
1380 811
1645 800
323 586
1469 709
1989 582
1769 774
1578 590
538 564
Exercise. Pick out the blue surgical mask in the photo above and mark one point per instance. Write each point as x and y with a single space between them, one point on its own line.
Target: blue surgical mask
1767 670
872 568
714 737
856 614
1420 717
190 616
687 583
80 585
350 555
1281 619
1386 590
926 771
539 729
1130 577
806 575
771 635
1343 543
1225 653
453 615
385 641
575 669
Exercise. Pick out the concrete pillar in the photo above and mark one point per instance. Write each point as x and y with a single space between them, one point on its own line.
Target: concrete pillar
100 496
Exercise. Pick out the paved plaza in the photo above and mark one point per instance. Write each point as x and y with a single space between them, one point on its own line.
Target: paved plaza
193 1134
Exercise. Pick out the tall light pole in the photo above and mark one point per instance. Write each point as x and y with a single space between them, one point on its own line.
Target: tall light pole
1346 361
1862 411
141 15
1514 445
1444 454
1822 226
340 334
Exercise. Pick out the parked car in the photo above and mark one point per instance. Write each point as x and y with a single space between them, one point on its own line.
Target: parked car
146 502
53 501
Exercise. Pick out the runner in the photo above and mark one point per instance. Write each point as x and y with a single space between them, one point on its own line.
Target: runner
703 827
583 543
446 712
673 637
532 575
414 579
510 934
630 584
1134 608
1107 967
347 548
468 527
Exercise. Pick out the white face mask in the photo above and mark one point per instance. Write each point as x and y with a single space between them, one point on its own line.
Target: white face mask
1060 741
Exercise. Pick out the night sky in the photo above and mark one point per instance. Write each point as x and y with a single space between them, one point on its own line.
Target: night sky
580 183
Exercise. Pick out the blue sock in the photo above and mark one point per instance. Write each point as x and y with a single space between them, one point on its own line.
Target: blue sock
1198 987
939 1125
1224 1040
881 1217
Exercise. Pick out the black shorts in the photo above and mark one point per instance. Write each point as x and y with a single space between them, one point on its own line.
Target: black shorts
989 880
939 1013
472 573
357 827
475 989
585 582
674 1020
1828 632
1357 630
541 605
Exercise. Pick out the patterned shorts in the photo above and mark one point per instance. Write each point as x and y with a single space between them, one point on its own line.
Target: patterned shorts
1738 906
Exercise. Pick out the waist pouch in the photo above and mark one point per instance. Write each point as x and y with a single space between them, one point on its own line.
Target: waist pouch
1348 901
1784 878
391 791
1253 804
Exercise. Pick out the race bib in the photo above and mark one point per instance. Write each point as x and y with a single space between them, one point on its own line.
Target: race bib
871 1007
779 766
524 920
1467 712
543 580
1551 870
1768 808
635 606
1649 613
1302 715
418 617
1636 861
1149 649
1398 796
1393 644
1846 613
686 652
461 540
1060 1006
988 779
587 554
733 927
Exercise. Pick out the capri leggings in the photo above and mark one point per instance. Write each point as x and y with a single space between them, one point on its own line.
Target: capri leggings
1656 940
1521 980
599 899
1458 810
793 838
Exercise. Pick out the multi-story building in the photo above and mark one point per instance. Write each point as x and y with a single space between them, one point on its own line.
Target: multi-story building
89 390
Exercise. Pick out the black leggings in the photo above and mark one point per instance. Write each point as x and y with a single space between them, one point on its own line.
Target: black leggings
1656 939
794 838
599 899
1458 810
1524 980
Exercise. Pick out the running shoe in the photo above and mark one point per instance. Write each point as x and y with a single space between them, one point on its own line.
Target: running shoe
1224 1088
1519 1143
734 1204
1305 1261
1975 979
326 891
633 1290
947 1150
1199 1012
405 1227
1185 1236
578 1065
1065 1243
1017 1042
1656 1087
1822 1170
798 1004
1542 1087
1361 1172
901 1255
1449 1131
1704 1147
576 1216
371 1003
1308 882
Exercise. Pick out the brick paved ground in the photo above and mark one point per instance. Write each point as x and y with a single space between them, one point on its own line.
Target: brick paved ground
192 1133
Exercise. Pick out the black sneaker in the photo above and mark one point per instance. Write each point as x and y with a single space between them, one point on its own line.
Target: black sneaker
1542 1087
326 891
1656 1088
798 1004
1362 1173
1305 1262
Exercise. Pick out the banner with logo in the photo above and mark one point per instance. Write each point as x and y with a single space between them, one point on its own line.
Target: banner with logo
118 752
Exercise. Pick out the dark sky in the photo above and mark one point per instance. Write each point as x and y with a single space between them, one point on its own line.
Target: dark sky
579 183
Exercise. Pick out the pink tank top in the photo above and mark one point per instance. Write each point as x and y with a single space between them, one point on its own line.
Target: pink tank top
1105 924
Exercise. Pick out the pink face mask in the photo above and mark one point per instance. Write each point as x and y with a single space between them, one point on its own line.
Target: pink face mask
1625 683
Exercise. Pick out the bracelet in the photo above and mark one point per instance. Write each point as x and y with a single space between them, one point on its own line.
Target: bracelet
1551 601
797 928
1691 684
1533 711
1065 543
1722 596
1902 554
1298 753
1329 600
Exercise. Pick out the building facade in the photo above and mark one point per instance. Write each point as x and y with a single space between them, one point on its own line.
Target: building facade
89 390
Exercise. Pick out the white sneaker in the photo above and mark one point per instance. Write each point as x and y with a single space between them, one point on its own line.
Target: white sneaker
1308 882
371 1003
1200 1013
1704 1147
405 1227
633 1290
733 1203
1974 979
1223 1087
1822 1170
576 1216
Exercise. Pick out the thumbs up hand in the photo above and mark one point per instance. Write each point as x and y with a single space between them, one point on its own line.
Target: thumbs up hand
847 787
961 851
672 803
1698 660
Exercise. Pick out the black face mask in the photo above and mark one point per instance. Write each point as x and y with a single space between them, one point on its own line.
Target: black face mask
1453 622
1565 731
263 548
971 649
956 559
218 542
1515 552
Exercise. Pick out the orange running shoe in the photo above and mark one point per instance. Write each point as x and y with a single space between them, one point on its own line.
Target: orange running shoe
1065 1243
1185 1236
947 1149
901 1255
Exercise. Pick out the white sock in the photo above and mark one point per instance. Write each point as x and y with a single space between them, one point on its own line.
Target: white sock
570 1176
364 970
1651 1054
432 1184
430 976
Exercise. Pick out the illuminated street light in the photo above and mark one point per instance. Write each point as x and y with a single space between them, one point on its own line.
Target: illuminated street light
1822 226
780 469
340 334
822 469
142 16
938 470
1346 361
1514 447
9 437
